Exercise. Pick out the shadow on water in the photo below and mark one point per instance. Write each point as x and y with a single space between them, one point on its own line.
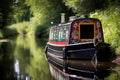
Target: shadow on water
6 61
23 59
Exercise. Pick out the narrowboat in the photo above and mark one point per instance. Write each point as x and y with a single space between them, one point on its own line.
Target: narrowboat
78 39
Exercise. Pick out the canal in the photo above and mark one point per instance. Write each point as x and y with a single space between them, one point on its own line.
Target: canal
22 58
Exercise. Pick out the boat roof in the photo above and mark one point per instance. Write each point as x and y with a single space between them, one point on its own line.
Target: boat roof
69 23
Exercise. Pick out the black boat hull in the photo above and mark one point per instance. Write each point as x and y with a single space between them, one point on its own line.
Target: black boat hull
86 51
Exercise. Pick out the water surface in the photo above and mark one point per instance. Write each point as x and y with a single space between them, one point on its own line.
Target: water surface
22 58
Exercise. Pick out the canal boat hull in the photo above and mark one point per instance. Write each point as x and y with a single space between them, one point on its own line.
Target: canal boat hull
87 51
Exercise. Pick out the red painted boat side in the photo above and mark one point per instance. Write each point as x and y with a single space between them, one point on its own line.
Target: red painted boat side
58 43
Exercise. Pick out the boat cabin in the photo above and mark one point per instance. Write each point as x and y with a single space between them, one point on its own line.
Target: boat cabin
77 31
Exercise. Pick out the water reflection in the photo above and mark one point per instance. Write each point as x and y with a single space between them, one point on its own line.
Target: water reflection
17 74
6 61
82 70
30 53
23 59
16 67
101 74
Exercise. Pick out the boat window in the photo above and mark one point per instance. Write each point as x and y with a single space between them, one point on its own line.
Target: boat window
86 31
54 34
59 34
63 34
51 35
82 32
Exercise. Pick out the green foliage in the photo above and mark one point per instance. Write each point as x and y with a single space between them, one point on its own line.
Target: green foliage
18 28
111 22
7 31
42 31
86 6
34 16
5 9
113 76
21 11
1 35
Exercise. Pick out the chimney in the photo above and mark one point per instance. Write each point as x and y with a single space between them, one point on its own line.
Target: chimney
62 17
72 18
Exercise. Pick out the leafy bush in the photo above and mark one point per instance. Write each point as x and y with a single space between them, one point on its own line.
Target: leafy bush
18 28
42 31
111 25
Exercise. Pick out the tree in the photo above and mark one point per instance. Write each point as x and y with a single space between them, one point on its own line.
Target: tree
44 12
86 6
21 11
5 10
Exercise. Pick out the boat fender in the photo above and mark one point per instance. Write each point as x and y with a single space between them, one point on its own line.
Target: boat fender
95 41
45 50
